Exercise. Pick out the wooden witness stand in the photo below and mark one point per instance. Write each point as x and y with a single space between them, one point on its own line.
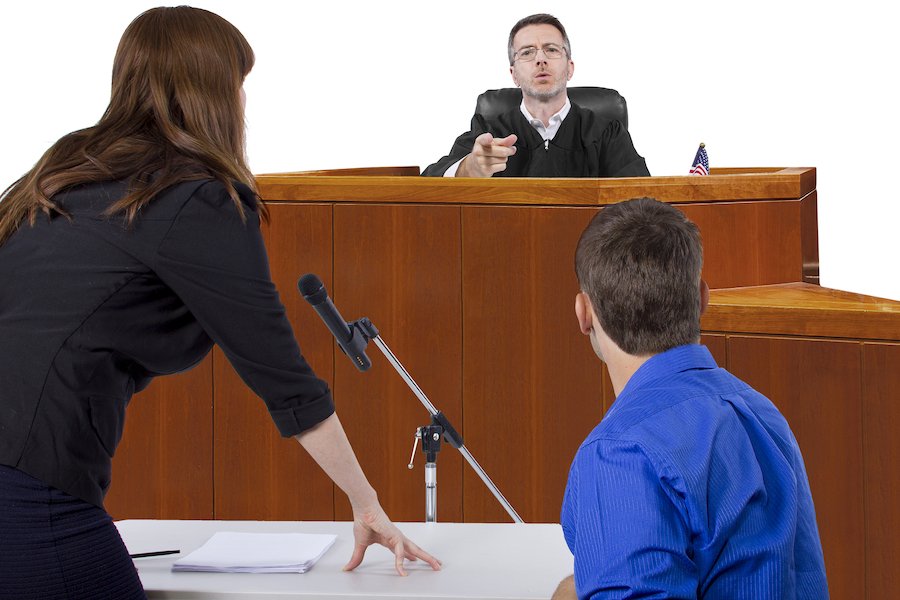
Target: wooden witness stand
472 285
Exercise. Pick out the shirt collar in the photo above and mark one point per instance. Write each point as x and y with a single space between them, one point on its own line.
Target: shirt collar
547 132
668 363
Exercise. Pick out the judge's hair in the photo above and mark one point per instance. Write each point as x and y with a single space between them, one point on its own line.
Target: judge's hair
175 113
639 263
538 19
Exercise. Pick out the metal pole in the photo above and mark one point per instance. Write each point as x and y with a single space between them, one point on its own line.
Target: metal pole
433 411
430 492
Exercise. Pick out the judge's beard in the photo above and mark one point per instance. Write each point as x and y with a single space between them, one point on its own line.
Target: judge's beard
544 95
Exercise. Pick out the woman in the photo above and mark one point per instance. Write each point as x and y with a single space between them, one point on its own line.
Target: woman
125 253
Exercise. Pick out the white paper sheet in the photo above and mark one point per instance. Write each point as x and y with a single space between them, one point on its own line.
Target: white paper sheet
233 552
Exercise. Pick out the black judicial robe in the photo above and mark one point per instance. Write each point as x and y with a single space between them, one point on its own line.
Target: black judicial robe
584 146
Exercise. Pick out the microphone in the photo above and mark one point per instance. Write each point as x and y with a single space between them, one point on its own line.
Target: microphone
350 339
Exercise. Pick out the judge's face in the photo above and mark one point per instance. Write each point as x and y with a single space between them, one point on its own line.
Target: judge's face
544 77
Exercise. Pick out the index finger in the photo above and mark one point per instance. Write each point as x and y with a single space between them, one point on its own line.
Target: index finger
398 558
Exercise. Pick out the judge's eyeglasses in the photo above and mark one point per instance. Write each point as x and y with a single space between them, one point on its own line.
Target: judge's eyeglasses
529 53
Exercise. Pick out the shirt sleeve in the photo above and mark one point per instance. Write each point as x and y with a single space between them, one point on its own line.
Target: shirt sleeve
623 520
452 169
217 264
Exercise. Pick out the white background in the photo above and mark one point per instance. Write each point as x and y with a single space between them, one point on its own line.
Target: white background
344 84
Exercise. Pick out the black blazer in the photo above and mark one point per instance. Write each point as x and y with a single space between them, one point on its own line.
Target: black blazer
92 310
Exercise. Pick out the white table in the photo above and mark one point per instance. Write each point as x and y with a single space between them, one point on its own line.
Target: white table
481 561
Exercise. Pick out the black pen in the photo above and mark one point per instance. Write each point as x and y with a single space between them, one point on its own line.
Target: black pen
157 553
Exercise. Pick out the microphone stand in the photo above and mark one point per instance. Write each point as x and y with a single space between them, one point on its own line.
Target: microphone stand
431 435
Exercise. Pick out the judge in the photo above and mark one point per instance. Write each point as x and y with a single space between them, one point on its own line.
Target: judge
547 135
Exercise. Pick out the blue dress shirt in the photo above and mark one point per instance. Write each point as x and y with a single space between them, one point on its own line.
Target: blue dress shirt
692 486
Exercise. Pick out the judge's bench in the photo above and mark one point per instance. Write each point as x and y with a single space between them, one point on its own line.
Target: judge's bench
471 284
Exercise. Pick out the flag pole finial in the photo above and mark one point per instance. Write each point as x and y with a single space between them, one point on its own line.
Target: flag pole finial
702 145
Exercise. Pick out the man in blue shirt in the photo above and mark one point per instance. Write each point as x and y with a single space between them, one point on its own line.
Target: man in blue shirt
692 485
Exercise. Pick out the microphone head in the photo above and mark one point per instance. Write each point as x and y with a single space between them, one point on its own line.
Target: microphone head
312 289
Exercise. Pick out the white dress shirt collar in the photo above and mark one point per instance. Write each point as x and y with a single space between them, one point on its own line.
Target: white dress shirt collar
547 131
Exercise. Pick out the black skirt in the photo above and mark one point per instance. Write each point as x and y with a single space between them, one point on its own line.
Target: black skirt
56 547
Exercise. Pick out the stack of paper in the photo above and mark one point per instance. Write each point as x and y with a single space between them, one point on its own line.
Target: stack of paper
232 552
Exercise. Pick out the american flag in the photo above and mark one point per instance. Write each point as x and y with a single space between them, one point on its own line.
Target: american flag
701 162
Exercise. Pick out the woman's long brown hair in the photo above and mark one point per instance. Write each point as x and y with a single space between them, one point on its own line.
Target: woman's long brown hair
175 114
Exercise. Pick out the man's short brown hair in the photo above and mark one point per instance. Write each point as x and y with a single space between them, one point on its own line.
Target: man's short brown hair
538 19
639 263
